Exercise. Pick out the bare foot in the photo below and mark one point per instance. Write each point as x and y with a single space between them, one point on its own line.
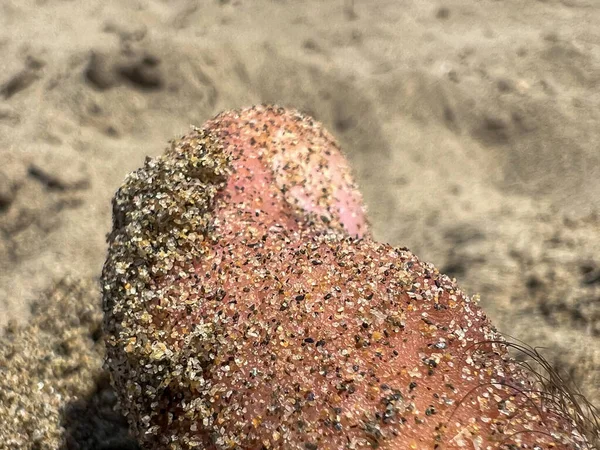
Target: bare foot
247 307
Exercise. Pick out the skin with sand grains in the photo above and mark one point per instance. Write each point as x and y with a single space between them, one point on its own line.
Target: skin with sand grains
246 306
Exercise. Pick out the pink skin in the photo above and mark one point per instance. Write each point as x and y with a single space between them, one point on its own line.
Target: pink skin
320 340
288 163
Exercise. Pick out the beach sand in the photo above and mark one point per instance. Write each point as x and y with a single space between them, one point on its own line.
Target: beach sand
472 128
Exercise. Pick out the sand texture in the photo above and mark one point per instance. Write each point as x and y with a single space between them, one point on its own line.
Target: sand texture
472 129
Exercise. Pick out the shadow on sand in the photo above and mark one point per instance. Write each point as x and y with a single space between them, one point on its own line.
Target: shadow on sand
92 423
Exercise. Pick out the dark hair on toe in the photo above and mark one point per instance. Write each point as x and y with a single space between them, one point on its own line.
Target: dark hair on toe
554 390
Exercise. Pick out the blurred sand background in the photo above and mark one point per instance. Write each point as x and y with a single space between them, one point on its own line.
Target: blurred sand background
473 128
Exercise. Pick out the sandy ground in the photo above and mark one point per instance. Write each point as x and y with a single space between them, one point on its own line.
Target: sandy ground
473 129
